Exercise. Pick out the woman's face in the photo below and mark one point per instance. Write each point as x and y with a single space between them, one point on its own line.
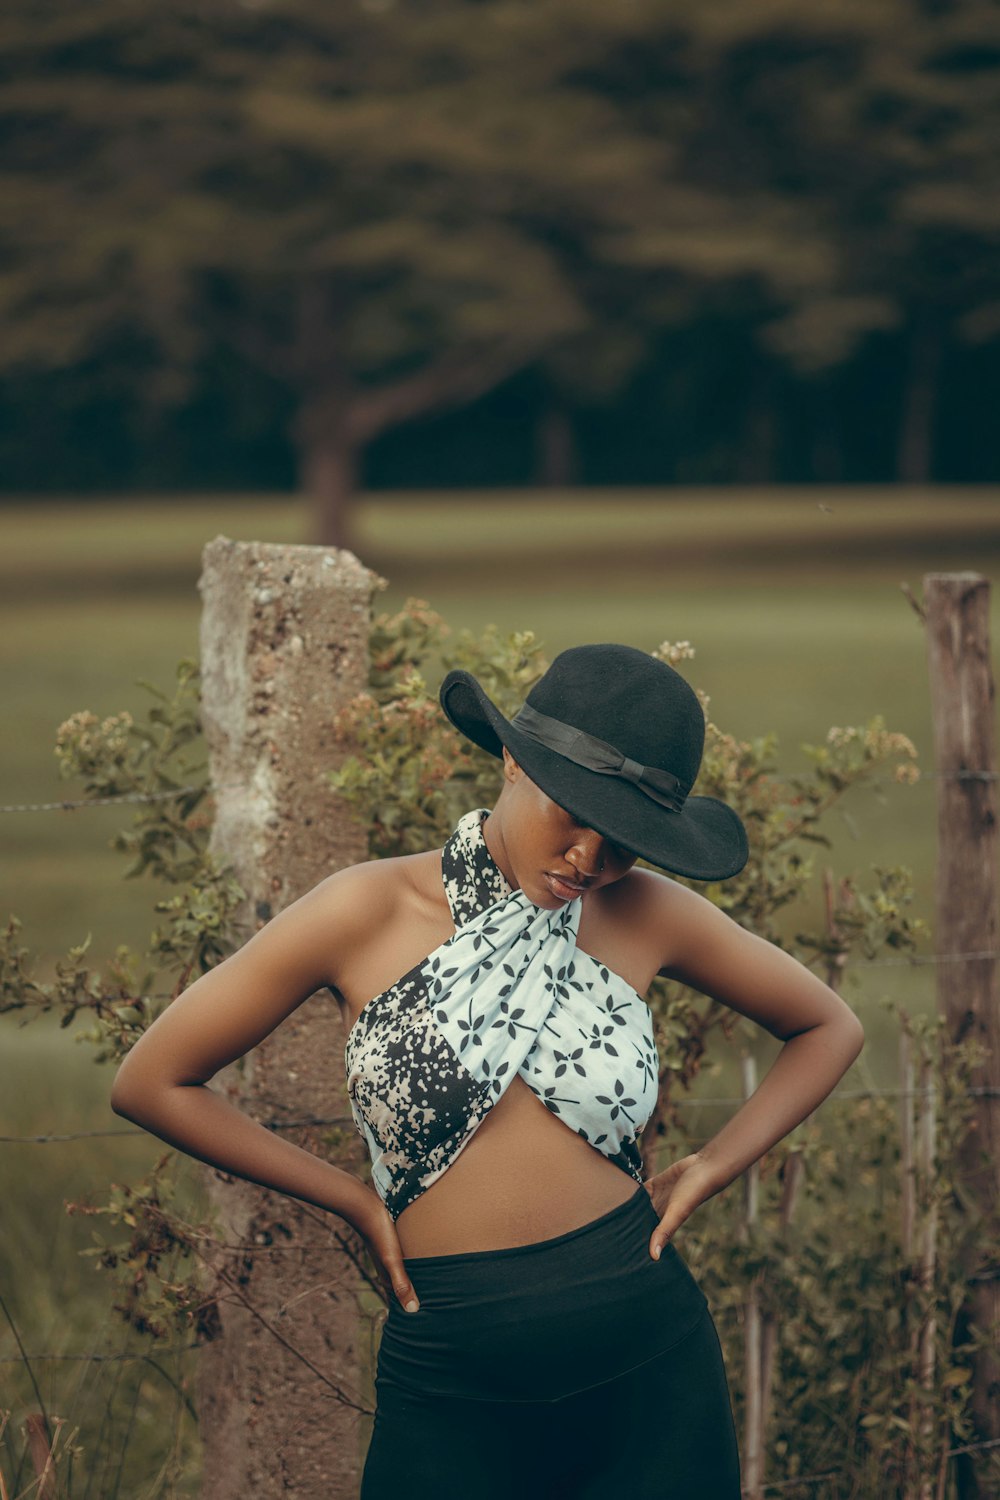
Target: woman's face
541 848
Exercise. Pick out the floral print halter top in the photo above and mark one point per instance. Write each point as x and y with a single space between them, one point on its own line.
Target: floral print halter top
508 993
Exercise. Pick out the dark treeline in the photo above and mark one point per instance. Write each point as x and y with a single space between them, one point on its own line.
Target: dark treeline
706 412
287 243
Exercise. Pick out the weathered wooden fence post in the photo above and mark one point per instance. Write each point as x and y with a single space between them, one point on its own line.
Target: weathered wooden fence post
956 611
284 644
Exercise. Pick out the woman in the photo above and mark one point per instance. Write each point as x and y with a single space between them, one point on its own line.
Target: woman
545 1337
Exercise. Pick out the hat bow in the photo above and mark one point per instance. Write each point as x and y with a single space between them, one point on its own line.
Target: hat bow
594 754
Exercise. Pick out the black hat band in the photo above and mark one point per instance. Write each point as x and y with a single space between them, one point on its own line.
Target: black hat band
586 750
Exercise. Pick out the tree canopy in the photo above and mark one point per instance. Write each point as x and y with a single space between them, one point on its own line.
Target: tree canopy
391 207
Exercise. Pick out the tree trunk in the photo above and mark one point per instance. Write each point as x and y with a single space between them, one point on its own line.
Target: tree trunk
914 463
329 460
325 435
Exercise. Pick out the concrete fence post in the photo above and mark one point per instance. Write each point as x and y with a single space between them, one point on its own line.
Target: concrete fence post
284 644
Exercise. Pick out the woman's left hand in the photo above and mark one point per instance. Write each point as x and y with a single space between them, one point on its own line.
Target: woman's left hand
675 1194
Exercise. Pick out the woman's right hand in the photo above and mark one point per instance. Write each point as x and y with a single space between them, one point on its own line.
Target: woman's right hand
379 1232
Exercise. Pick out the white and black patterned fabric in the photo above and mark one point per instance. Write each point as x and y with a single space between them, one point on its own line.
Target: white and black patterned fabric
508 993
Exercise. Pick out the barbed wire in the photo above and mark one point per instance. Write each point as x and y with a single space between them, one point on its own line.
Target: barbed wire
69 805
988 1091
921 958
915 960
71 1135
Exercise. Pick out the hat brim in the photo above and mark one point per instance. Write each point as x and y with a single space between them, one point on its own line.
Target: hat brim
706 840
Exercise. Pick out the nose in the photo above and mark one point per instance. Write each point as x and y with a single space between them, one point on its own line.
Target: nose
586 855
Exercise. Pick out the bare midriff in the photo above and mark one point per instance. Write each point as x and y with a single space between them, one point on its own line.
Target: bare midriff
523 1176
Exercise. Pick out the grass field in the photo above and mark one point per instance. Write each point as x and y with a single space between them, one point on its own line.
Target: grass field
791 599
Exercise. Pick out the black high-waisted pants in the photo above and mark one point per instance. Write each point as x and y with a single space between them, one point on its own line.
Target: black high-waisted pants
575 1368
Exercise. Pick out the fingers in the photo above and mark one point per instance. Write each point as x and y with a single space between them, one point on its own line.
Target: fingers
659 1238
395 1278
402 1292
386 1252
401 1285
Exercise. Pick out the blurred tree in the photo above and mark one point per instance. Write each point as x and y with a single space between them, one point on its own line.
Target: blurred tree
883 122
391 207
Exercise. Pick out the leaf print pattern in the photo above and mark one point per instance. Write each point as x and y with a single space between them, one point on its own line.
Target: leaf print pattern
508 993
566 1060
644 1062
620 1102
561 981
511 1019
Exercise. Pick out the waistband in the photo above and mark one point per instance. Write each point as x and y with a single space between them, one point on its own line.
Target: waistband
537 1322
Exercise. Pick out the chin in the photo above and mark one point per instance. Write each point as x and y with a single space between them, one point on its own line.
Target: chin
547 897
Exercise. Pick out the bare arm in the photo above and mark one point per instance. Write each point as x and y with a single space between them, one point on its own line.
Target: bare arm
822 1036
161 1084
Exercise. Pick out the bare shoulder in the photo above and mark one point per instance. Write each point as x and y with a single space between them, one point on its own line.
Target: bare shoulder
681 921
365 898
625 922
670 925
382 917
702 946
642 901
352 893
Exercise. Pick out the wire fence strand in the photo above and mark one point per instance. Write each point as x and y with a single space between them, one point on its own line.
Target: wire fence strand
174 793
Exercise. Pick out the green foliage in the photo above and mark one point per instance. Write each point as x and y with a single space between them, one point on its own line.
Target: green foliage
164 1294
847 1303
157 1260
411 801
161 754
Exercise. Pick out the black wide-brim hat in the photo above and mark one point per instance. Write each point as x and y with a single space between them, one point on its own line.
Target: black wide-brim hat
615 737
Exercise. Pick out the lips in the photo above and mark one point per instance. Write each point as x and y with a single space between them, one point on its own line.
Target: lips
564 889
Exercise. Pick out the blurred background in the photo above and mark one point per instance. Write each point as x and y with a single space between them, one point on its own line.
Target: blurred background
643 322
